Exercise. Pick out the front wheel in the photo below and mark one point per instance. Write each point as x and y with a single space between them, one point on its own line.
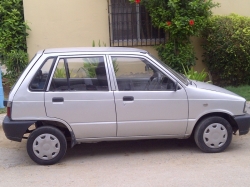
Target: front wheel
46 145
213 134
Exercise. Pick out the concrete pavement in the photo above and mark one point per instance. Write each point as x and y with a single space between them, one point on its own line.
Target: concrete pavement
1 118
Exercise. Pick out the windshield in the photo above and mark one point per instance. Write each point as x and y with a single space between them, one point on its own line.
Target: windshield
181 77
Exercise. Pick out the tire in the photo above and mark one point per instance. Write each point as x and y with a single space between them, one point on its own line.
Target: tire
213 134
46 145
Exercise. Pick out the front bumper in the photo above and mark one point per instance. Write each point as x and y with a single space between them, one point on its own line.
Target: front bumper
243 123
15 129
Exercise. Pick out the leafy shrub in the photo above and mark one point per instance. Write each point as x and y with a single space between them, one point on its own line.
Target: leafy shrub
115 65
227 49
180 19
89 66
15 61
13 38
190 73
60 73
176 56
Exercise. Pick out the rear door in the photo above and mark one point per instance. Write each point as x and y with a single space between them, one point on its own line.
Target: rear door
79 93
147 103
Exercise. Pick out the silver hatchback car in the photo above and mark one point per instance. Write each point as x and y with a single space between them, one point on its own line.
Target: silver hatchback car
73 95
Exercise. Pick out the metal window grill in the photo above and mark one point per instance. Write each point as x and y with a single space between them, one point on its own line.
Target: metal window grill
130 25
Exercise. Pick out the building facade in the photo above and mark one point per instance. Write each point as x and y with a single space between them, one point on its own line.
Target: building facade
64 23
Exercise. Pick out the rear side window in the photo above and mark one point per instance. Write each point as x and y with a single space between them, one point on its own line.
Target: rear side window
80 74
40 80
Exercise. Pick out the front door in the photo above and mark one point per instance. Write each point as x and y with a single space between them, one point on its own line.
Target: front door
79 93
147 103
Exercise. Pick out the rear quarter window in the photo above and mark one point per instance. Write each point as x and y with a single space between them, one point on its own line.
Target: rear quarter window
40 80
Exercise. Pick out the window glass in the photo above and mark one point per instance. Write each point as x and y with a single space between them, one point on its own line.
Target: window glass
40 79
80 74
181 77
59 81
137 74
130 25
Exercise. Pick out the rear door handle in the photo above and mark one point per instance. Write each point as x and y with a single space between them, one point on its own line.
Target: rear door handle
57 99
128 98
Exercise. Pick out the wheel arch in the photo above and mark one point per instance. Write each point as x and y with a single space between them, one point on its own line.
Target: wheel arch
226 116
64 128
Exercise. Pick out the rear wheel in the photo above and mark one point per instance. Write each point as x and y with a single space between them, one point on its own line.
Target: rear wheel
213 134
46 145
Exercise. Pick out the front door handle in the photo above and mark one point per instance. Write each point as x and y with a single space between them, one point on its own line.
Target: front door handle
57 99
128 98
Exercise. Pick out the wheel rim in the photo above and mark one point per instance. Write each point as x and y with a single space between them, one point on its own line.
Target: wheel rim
215 135
46 146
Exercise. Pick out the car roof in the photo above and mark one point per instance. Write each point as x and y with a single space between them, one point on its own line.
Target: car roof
93 49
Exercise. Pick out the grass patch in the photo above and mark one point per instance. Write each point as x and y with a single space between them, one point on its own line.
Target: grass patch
3 110
243 91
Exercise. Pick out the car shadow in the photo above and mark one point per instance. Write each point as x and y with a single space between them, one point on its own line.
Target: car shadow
130 147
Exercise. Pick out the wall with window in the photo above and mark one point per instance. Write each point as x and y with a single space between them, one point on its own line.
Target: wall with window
64 23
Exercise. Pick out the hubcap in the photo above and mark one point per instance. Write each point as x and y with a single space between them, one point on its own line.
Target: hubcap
46 146
215 135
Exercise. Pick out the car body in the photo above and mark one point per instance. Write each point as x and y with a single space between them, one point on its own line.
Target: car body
75 95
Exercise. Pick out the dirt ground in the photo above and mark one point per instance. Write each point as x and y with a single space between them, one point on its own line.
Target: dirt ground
129 163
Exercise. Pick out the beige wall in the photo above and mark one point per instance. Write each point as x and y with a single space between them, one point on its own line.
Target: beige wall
65 23
241 7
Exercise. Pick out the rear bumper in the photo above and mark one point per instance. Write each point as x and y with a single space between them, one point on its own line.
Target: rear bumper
15 129
243 123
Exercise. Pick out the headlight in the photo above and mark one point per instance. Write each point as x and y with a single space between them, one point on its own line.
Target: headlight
245 107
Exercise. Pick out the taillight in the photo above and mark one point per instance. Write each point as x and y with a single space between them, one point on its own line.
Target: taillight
9 112
8 104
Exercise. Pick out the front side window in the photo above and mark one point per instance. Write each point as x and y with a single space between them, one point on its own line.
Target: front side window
80 74
137 74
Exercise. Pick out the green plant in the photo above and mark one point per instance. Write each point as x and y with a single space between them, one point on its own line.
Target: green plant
227 49
190 73
3 110
60 73
13 32
89 66
15 61
185 54
99 43
115 65
180 19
